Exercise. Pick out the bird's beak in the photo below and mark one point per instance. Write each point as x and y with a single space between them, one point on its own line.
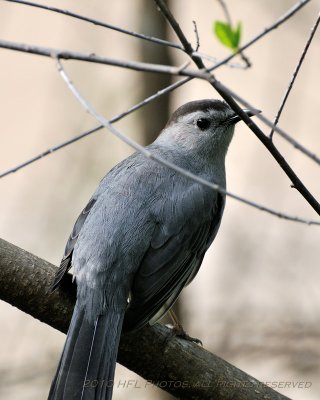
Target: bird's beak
235 118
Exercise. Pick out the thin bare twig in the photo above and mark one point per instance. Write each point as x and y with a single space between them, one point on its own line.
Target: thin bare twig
225 94
216 61
280 131
103 121
97 23
93 58
225 11
197 35
75 55
295 74
49 151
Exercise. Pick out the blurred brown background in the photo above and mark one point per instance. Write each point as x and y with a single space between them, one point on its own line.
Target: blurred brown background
256 300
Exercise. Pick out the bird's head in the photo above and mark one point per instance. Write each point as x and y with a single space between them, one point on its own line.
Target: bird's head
204 128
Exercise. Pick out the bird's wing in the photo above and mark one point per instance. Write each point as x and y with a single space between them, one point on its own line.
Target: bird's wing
170 264
112 176
65 264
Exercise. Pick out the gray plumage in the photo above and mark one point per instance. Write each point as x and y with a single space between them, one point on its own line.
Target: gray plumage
139 241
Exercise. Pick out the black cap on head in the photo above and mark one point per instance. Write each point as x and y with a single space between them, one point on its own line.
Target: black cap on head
198 105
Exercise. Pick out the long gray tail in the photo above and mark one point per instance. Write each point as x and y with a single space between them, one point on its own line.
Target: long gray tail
87 365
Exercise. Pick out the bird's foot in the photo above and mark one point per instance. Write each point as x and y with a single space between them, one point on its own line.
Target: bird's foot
178 331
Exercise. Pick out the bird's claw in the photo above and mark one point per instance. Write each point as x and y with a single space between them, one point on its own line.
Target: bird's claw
180 332
177 330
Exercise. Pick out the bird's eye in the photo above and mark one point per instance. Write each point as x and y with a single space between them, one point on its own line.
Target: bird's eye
203 123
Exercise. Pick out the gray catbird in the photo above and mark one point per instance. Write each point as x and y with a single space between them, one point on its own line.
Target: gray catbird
139 241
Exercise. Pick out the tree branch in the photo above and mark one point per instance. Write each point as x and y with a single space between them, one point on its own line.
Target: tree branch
276 128
294 76
182 368
75 55
225 93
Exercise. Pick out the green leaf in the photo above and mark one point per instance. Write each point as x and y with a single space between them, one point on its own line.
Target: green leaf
237 35
224 33
228 36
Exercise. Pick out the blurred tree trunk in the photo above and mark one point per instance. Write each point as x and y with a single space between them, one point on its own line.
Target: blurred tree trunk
155 115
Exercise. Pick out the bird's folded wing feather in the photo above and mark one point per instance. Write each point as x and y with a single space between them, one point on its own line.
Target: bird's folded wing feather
65 264
170 263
